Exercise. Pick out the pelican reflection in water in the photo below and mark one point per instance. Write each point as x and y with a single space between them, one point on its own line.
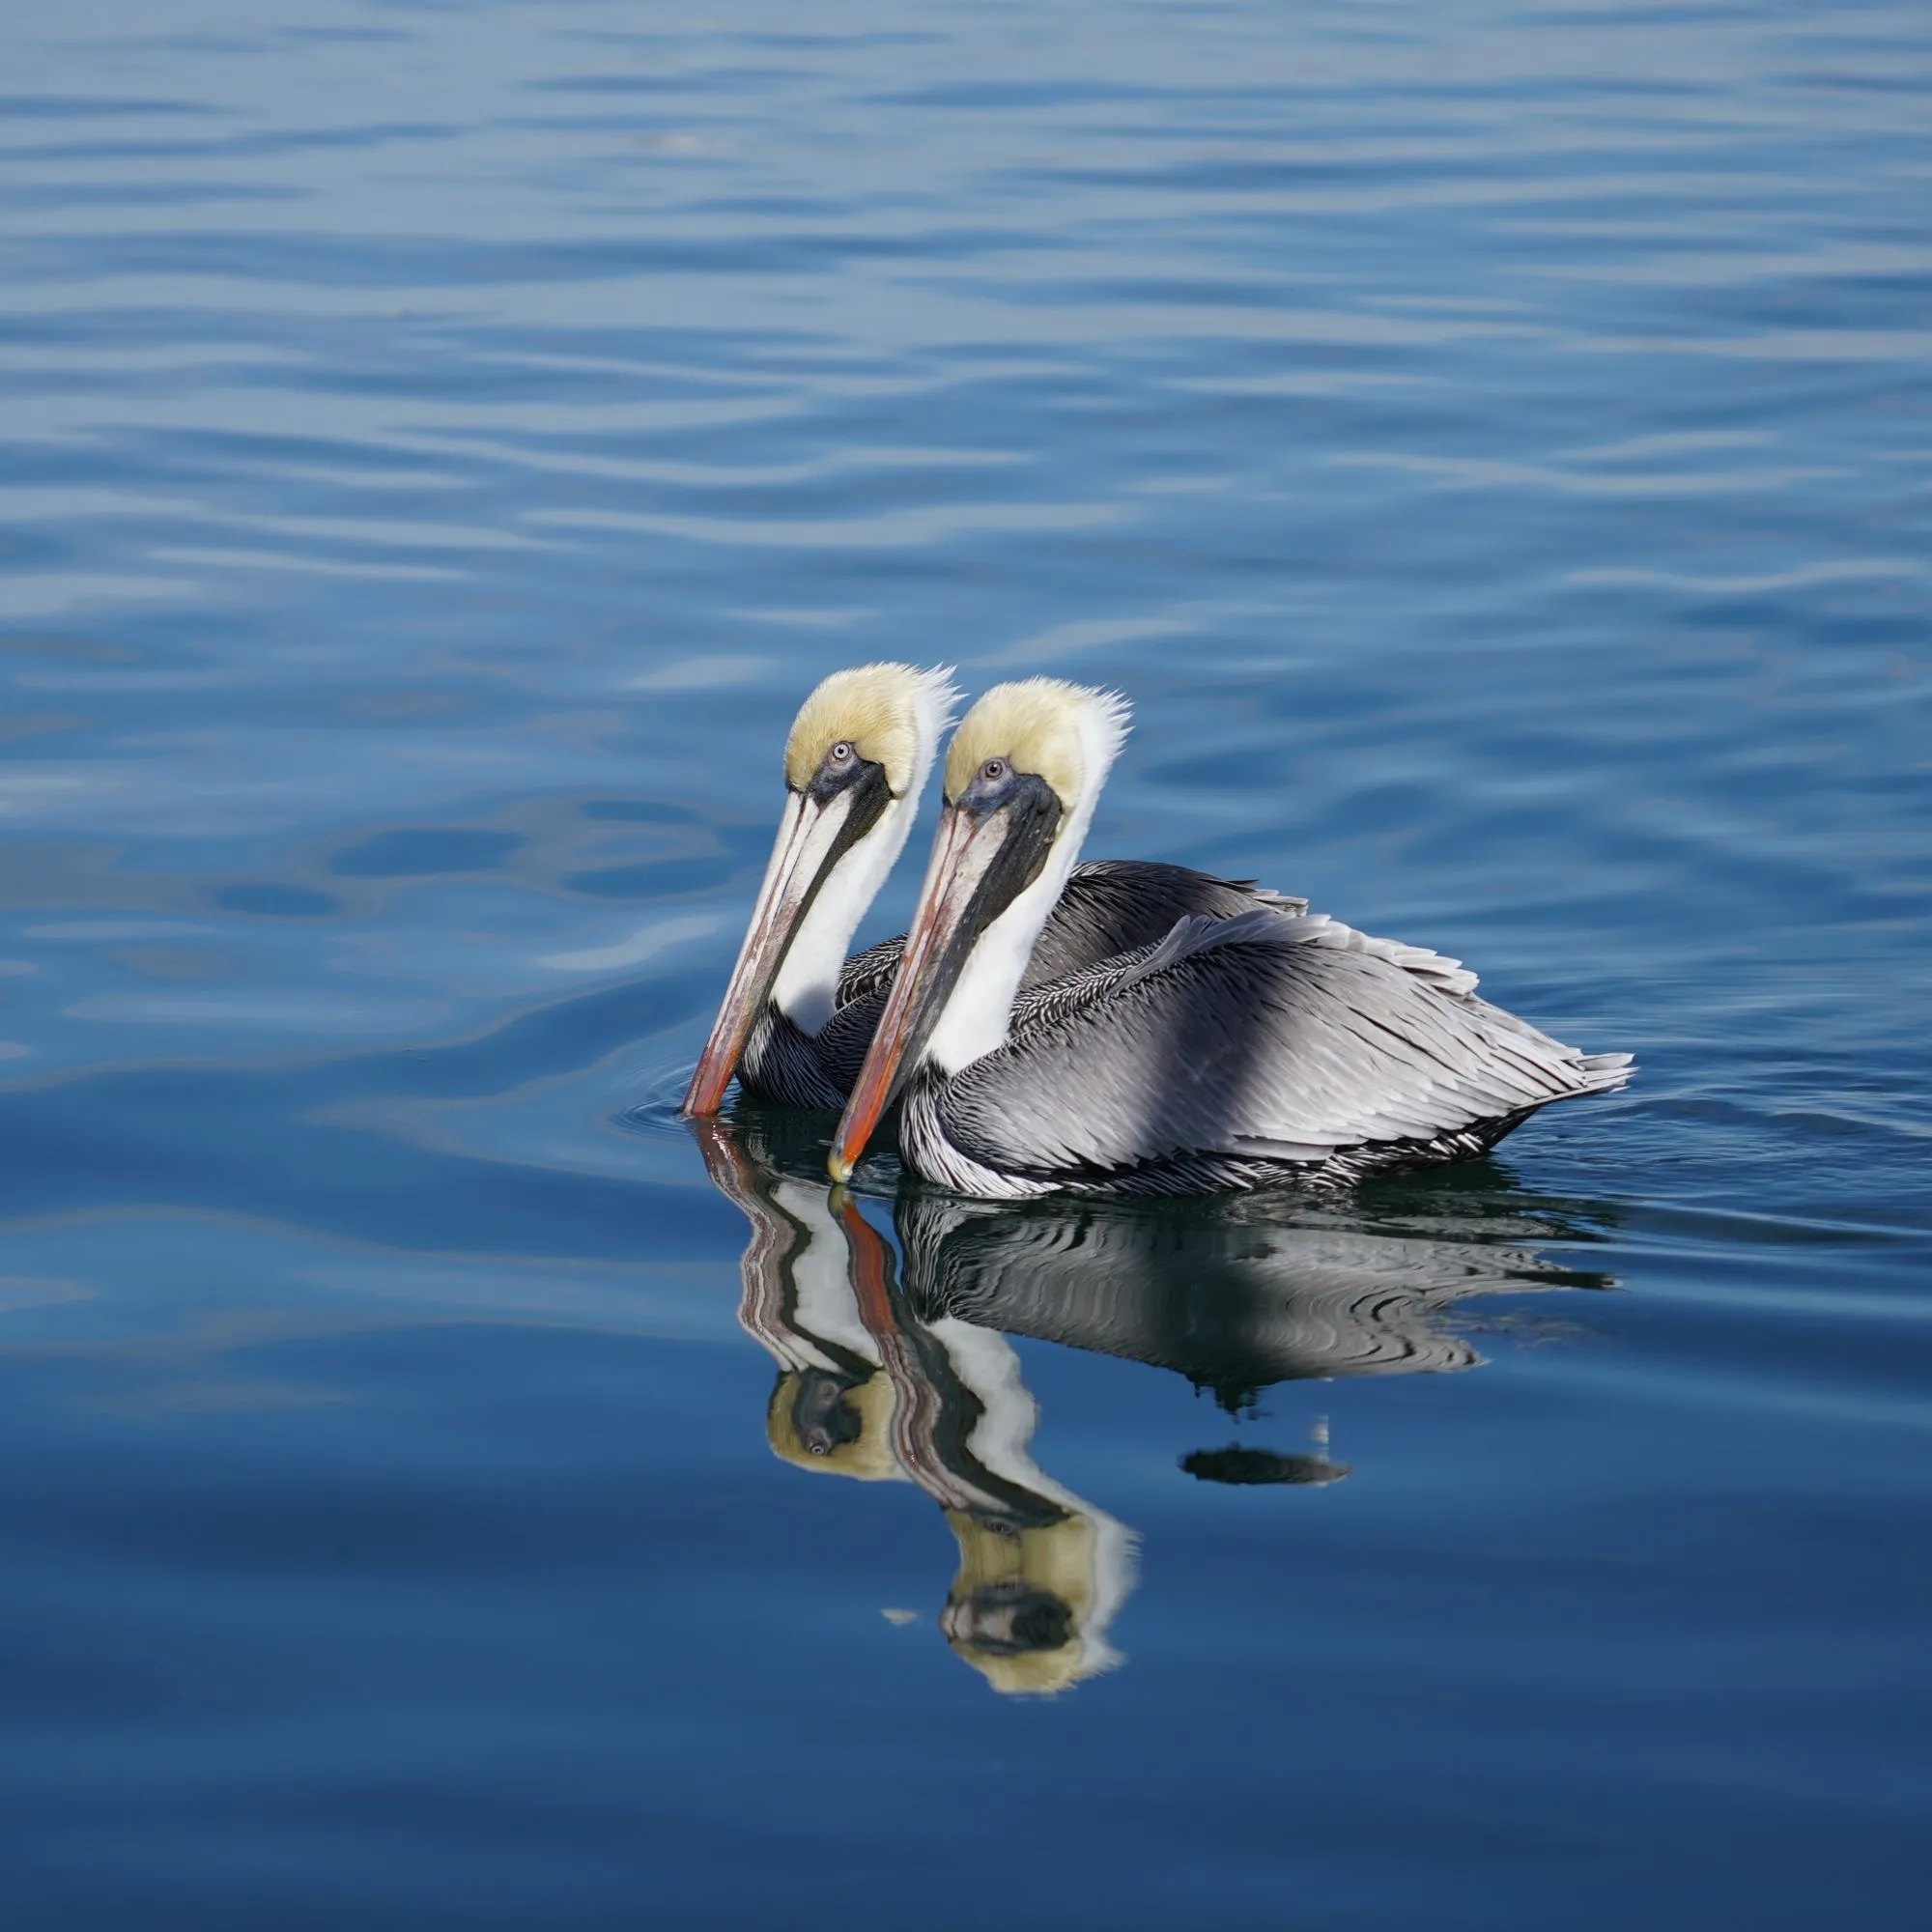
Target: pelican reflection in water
911 1377
867 1391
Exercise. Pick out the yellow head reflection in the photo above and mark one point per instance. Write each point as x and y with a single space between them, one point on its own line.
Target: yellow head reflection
818 1420
1024 1609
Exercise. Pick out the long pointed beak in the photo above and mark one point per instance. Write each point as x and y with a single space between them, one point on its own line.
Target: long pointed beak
937 945
808 833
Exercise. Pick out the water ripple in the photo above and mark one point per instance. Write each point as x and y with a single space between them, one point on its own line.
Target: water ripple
1487 442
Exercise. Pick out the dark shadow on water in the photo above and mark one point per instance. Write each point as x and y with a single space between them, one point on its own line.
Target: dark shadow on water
1245 1468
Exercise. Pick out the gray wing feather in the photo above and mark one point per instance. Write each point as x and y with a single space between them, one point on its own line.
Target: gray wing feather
1267 1034
1110 906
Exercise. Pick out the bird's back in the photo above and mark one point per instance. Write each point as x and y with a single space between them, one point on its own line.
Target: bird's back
1109 906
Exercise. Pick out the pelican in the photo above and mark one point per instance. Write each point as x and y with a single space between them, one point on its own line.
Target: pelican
798 1015
1273 1048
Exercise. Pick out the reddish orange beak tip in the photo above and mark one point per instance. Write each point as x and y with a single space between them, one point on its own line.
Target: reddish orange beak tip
702 1098
838 1167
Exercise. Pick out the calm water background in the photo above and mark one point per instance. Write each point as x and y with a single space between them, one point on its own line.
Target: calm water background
1492 446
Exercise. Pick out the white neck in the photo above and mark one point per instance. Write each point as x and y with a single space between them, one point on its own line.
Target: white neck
806 987
978 1017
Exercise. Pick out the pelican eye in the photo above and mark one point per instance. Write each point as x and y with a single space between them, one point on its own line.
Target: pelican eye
994 770
840 755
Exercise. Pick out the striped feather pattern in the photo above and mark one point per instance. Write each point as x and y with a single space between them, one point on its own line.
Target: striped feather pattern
1238 1052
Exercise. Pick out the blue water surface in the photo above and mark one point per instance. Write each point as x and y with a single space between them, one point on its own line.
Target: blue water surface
1490 444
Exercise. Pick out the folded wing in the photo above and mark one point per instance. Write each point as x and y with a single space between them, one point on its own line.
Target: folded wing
1267 1037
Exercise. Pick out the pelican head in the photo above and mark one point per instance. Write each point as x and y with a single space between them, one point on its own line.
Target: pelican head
1029 1608
818 1419
1022 775
855 764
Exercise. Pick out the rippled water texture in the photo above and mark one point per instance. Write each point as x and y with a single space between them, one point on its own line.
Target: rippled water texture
438 447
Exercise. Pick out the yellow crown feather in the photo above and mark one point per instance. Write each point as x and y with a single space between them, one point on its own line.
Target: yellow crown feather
881 710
